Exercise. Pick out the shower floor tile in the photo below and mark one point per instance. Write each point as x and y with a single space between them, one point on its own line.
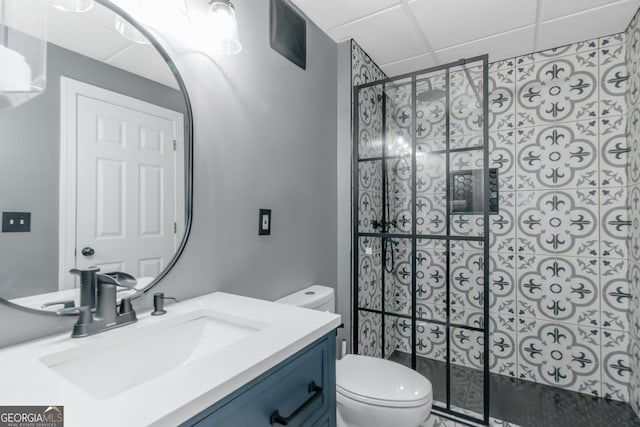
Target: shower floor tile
518 402
438 421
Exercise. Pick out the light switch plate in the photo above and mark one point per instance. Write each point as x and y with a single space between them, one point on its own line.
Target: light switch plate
264 222
16 222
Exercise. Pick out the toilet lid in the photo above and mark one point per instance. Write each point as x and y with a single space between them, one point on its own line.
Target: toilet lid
381 382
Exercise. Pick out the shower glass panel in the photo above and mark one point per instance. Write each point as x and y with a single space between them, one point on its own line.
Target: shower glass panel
422 199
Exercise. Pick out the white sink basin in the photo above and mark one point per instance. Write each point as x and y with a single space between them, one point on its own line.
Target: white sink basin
111 365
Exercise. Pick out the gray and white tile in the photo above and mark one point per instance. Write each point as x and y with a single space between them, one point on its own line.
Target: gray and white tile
560 289
613 80
616 365
560 355
562 89
614 151
615 226
558 222
615 294
559 156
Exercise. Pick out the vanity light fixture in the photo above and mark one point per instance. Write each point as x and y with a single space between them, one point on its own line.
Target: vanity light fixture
22 54
222 27
72 5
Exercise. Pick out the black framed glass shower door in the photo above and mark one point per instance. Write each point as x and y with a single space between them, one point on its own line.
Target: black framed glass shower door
422 196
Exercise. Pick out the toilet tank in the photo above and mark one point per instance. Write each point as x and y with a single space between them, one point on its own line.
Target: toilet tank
316 297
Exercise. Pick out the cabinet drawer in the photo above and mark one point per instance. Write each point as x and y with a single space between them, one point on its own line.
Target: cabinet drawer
285 389
327 420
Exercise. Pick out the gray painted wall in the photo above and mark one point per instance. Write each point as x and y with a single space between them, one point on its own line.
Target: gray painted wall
29 166
265 137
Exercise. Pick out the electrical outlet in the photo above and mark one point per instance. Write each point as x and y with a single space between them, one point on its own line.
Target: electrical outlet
16 222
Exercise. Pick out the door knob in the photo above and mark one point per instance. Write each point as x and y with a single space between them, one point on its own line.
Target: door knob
88 251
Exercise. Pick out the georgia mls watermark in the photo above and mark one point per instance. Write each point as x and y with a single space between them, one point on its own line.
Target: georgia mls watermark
31 416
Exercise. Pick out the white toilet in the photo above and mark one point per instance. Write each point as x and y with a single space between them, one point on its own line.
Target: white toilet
371 392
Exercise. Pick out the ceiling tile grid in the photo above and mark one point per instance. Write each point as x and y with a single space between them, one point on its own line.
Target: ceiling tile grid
374 32
93 34
408 35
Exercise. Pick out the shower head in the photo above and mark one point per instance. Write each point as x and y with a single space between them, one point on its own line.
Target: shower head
431 94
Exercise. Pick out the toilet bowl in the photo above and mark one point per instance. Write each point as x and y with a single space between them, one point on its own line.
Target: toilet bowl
371 392
378 392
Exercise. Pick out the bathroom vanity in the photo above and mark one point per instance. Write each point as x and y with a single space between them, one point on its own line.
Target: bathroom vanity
298 392
219 359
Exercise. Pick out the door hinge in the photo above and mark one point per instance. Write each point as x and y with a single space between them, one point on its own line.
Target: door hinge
175 228
175 144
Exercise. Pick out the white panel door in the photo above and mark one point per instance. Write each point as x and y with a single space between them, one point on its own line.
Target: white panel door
126 186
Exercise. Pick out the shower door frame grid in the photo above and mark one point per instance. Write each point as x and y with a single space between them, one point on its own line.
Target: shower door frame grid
484 60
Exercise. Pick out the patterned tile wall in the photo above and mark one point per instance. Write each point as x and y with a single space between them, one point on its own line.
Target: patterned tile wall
618 288
559 296
370 267
559 246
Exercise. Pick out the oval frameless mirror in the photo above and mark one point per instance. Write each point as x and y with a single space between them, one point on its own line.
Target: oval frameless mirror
95 171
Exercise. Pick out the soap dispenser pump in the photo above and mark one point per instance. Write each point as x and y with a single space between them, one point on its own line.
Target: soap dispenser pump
158 304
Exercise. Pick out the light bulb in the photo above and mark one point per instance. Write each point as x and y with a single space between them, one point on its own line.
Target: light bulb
222 28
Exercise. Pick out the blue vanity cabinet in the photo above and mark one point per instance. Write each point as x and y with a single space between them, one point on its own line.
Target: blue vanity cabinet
301 390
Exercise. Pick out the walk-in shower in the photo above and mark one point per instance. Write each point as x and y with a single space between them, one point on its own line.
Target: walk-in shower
423 193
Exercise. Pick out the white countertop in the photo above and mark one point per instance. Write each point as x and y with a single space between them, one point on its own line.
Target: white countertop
178 394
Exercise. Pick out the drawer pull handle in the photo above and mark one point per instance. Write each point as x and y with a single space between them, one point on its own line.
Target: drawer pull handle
276 418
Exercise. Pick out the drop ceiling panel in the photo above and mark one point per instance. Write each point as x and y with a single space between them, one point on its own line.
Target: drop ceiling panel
503 46
72 32
93 34
390 35
100 15
446 30
448 23
555 8
420 62
586 25
330 13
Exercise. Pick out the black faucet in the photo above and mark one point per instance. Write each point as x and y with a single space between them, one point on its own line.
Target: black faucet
88 285
97 311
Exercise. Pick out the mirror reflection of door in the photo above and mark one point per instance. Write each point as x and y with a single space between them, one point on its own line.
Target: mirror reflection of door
124 155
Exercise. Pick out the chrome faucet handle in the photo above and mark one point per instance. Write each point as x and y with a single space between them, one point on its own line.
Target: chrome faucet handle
125 306
91 269
84 313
